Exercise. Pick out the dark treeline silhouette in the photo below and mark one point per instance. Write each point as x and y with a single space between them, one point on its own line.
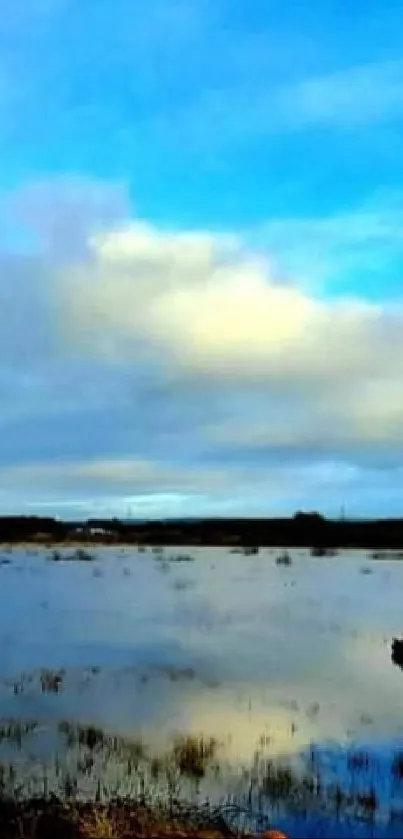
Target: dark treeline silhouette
309 530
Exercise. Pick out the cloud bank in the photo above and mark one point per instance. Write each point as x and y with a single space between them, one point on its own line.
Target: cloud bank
202 306
180 367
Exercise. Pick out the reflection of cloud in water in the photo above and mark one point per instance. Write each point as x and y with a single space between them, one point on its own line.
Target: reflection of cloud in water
235 623
227 649
247 726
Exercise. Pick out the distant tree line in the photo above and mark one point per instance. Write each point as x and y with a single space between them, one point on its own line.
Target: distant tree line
302 530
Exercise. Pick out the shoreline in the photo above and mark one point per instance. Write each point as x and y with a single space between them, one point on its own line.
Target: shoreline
373 552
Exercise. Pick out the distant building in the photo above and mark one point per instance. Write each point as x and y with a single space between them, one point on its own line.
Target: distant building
100 531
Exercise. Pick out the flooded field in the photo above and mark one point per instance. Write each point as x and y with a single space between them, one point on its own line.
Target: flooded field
263 682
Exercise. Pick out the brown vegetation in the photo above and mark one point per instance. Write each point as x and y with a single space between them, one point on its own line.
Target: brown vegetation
43 818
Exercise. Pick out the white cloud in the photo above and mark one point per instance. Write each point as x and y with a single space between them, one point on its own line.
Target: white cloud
327 372
191 301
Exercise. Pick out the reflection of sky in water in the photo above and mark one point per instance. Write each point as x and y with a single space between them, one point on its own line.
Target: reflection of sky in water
227 645
318 632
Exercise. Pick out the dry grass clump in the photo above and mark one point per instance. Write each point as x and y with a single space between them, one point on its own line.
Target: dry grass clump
48 818
192 755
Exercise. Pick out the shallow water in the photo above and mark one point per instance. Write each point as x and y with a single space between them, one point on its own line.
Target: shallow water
268 660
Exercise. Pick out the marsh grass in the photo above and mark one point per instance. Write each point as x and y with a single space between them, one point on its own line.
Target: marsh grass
83 735
284 559
15 731
358 761
278 782
193 755
388 555
181 558
397 766
320 551
80 555
165 561
53 818
299 789
183 585
20 685
94 739
51 680
176 674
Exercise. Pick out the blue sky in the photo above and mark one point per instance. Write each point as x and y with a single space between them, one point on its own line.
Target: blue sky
201 241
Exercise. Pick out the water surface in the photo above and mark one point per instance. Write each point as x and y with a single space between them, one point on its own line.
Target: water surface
272 665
